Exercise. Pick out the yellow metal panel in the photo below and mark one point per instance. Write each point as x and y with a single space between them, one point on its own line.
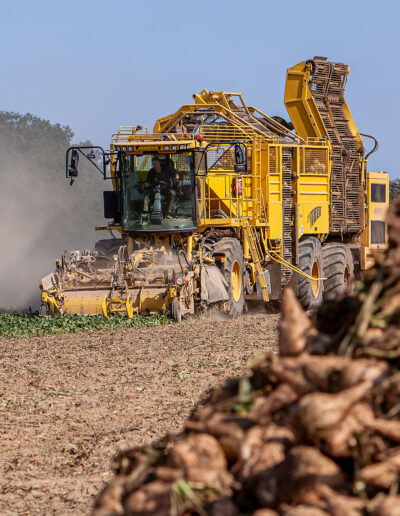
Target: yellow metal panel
367 257
351 125
219 194
149 300
274 230
313 218
376 212
273 196
312 190
301 105
83 302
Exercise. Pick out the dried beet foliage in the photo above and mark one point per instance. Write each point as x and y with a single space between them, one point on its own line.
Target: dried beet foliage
314 432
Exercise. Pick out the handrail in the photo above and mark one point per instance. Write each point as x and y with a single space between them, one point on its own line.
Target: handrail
291 266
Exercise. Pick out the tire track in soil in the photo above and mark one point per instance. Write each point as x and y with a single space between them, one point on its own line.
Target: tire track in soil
69 402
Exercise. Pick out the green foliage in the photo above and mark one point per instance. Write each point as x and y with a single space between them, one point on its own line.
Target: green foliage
394 188
31 130
27 325
34 147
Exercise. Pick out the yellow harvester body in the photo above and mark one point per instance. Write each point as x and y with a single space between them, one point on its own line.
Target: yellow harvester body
259 204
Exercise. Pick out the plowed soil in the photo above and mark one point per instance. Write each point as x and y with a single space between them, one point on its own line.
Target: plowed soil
69 402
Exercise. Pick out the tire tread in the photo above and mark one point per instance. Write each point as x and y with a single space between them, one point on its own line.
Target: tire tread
336 257
309 250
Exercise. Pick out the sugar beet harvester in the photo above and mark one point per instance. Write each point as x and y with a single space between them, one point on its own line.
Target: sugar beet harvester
222 202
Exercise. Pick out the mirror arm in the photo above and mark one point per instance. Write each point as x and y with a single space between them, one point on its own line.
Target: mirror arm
105 156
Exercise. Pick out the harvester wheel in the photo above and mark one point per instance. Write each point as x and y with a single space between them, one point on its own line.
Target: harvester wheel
234 272
310 262
176 311
338 269
44 309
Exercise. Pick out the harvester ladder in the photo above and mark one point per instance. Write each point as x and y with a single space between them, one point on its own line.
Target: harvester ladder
257 195
256 254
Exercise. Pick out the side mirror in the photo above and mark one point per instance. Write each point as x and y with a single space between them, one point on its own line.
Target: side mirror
73 164
111 206
240 159
239 155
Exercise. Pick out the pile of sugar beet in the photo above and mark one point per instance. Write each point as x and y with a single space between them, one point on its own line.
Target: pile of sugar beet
313 432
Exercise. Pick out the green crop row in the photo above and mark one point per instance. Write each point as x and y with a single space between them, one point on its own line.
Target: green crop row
28 325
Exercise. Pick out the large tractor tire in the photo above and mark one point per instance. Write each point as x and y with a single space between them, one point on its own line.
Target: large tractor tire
311 262
233 270
338 270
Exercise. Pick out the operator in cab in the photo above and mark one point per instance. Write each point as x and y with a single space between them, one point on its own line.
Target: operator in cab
163 174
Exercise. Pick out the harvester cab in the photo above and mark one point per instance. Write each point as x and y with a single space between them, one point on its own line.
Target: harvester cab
155 189
222 203
157 204
158 191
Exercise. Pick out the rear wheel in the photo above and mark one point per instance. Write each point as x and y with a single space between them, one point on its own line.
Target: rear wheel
310 262
338 270
233 270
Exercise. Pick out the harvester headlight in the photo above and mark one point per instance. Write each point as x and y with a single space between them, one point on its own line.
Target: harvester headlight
179 281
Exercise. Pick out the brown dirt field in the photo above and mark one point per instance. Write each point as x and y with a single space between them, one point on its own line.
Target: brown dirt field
68 403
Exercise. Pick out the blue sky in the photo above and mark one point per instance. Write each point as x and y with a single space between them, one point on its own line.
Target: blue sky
96 65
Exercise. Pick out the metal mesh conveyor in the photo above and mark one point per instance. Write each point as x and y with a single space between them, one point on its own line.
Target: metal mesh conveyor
225 116
327 84
287 212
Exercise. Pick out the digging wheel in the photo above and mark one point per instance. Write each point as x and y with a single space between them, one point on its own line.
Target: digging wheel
310 262
232 267
338 270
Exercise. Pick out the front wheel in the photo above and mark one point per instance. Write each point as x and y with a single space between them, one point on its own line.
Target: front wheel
176 311
310 262
44 309
233 270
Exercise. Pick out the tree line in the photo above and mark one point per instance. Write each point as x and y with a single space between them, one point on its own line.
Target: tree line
41 214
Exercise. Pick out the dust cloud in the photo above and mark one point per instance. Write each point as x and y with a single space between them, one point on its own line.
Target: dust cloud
41 214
